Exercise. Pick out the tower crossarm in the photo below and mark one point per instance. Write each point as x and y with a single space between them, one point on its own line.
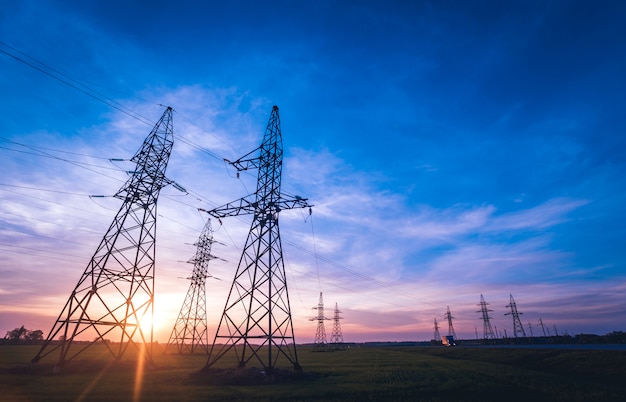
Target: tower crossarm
248 205
246 162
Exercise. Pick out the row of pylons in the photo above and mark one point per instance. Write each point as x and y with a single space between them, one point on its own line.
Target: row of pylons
489 333
336 338
115 294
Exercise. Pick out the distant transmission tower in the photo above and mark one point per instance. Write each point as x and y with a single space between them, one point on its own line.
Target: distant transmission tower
257 314
436 334
543 329
518 328
320 333
449 317
115 294
484 310
336 338
190 329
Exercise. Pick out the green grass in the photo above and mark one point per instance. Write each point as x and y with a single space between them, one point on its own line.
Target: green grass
392 373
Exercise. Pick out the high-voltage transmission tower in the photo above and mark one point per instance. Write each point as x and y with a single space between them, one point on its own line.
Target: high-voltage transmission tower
257 314
190 330
448 316
484 310
518 328
319 344
115 294
542 326
436 334
336 338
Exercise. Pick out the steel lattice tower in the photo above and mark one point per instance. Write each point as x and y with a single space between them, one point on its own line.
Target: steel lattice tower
336 338
257 314
518 328
542 327
320 333
116 291
484 310
436 333
190 330
448 316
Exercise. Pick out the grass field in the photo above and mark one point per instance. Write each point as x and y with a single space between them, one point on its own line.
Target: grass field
390 373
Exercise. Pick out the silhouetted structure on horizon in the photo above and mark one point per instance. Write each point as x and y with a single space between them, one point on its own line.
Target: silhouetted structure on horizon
336 338
319 344
257 314
448 316
518 328
115 293
190 329
488 333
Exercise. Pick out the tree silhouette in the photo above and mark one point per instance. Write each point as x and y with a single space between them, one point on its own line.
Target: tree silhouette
23 334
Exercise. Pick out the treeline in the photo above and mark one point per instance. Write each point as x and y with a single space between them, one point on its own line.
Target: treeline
22 335
615 337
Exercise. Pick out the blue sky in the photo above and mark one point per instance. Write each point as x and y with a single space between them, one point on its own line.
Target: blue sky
451 149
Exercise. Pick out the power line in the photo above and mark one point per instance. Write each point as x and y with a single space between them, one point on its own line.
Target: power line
47 256
59 76
82 165
51 149
38 250
42 236
56 74
317 267
27 60
198 147
87 90
61 159
43 189
314 253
